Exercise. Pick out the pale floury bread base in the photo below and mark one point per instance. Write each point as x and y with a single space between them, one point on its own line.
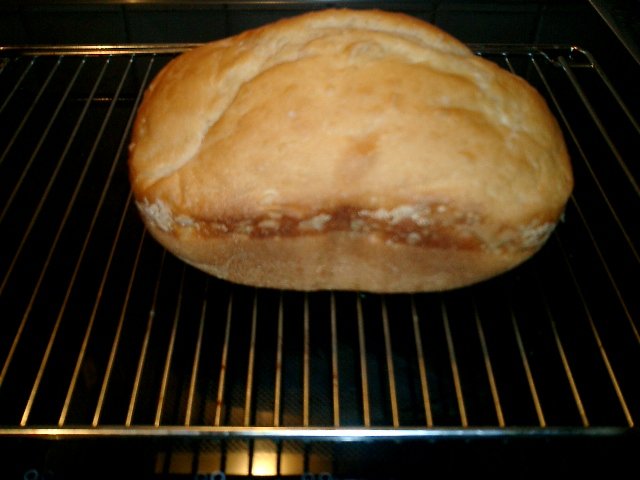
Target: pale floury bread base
336 260
347 150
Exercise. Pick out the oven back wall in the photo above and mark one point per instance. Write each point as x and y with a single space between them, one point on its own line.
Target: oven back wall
154 21
114 22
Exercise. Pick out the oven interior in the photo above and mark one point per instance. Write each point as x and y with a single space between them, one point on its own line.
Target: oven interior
117 357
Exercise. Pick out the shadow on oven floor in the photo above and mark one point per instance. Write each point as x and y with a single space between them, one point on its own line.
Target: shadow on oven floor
220 459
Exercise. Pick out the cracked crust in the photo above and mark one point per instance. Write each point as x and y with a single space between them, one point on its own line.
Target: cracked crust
374 137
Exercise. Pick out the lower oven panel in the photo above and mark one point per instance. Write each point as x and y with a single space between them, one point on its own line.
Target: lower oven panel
104 336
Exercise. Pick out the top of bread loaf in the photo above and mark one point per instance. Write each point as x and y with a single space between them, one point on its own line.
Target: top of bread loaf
315 116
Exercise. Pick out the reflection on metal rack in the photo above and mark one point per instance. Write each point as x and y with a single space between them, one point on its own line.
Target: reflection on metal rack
105 335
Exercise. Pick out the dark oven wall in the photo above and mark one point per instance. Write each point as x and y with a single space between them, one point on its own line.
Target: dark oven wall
153 21
75 22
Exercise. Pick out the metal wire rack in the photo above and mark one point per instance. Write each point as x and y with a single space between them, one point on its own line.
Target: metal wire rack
103 334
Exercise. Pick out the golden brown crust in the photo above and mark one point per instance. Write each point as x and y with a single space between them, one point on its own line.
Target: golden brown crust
359 143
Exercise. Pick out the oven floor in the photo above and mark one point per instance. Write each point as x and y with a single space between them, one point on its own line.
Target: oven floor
528 458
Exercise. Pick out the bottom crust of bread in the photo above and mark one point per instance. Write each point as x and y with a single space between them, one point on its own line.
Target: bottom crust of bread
338 261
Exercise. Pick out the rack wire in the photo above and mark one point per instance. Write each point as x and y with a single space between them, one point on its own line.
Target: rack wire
104 334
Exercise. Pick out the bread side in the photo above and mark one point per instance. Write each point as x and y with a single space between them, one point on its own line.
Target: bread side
341 149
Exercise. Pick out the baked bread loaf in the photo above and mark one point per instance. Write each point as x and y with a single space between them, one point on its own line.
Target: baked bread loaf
354 150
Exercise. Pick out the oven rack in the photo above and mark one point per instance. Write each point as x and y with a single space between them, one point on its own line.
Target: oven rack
104 334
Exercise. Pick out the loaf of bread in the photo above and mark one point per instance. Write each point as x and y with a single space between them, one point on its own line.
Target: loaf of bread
350 150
